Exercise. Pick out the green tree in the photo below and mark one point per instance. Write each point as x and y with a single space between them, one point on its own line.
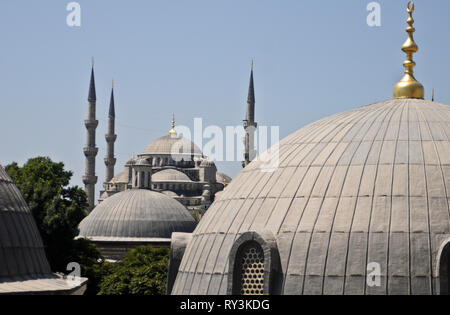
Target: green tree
58 209
143 271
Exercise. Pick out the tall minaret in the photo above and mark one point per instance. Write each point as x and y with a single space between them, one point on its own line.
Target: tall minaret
90 151
250 124
111 137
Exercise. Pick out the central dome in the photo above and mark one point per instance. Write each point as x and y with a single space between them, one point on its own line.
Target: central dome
169 145
365 186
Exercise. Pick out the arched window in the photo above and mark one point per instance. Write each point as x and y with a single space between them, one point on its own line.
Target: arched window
254 265
250 269
444 269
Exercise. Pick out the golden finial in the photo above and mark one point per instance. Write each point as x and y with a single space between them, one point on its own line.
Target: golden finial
172 132
409 87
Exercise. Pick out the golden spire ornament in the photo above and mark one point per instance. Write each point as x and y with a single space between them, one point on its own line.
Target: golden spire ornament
172 132
409 87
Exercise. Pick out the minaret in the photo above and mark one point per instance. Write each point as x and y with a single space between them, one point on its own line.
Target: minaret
111 137
250 124
409 87
90 151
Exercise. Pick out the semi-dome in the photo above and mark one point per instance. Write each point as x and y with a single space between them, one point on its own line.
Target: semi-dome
172 145
362 189
122 177
170 175
24 268
136 214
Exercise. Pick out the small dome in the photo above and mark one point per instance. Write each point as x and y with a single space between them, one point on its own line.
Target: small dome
223 178
23 265
170 145
170 175
367 185
136 213
143 162
131 161
207 163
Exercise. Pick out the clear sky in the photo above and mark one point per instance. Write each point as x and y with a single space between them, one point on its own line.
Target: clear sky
192 57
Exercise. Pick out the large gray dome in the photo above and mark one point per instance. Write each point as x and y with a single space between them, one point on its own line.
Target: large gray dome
23 265
367 185
136 214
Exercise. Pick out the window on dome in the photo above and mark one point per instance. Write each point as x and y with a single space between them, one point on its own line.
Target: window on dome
444 270
250 269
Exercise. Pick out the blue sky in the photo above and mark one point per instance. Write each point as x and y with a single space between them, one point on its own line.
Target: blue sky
312 59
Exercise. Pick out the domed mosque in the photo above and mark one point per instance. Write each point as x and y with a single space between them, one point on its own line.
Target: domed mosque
24 268
176 167
158 193
358 205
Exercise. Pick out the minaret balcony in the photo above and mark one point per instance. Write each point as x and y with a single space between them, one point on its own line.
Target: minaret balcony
90 179
90 151
110 138
110 161
91 124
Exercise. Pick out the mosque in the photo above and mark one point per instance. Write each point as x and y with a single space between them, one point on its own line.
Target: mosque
358 205
158 193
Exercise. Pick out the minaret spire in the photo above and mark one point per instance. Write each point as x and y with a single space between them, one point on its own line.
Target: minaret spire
249 123
90 151
110 160
409 87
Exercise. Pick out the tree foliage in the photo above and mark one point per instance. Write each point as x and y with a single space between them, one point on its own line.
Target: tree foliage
143 271
57 209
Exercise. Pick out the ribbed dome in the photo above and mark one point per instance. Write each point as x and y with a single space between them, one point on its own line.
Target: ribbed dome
367 185
136 213
168 145
23 265
170 175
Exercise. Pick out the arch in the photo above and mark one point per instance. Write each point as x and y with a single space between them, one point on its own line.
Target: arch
254 265
444 268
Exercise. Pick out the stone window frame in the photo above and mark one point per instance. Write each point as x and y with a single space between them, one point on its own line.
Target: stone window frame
268 244
442 268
